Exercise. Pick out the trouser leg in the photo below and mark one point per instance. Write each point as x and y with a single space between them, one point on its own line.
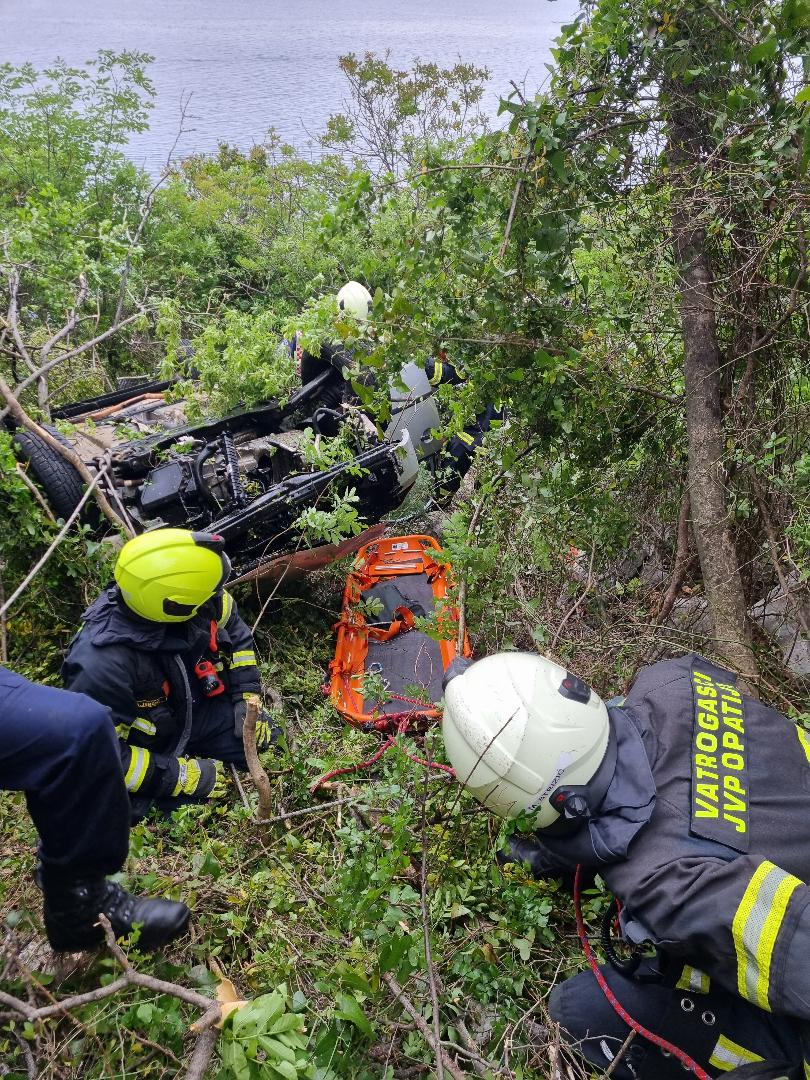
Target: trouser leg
456 457
61 749
717 1029
212 733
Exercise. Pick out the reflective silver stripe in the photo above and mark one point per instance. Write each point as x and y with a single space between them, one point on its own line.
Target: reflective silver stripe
755 928
243 658
182 773
693 979
727 1055
144 725
138 764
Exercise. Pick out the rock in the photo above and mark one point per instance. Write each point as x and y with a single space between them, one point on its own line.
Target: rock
691 614
776 617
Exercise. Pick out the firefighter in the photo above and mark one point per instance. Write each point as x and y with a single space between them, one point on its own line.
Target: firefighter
60 749
165 649
413 405
691 800
454 459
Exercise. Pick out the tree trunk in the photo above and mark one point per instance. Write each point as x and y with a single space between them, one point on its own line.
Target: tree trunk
704 410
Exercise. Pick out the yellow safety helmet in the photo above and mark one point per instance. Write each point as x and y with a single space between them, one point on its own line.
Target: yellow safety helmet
168 574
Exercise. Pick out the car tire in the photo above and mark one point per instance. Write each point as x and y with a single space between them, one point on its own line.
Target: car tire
59 480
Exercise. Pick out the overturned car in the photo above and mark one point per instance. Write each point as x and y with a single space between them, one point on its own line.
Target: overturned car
245 476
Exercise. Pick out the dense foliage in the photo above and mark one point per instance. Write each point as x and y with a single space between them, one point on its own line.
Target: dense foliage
559 261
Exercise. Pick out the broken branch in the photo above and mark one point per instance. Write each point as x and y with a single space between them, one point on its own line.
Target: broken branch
257 773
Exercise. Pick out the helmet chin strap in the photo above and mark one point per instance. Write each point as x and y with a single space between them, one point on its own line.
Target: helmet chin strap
575 803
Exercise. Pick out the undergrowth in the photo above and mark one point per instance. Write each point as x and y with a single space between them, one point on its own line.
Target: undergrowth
327 904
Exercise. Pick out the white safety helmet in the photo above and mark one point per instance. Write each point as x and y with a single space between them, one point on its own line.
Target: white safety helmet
355 299
518 727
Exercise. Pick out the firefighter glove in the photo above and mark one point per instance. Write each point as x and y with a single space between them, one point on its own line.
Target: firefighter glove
267 734
530 851
197 777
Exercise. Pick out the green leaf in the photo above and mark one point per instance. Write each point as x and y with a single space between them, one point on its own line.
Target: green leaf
392 952
288 1022
764 50
557 162
349 1009
285 1069
277 1049
524 948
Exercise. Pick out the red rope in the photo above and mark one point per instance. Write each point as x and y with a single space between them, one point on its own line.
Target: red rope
656 1040
402 727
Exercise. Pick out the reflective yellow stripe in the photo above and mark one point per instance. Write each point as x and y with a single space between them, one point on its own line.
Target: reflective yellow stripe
436 377
693 979
122 730
243 658
227 607
727 1055
142 724
804 739
138 764
756 926
807 1070
465 438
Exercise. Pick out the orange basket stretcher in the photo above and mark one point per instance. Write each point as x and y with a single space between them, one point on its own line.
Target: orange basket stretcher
405 580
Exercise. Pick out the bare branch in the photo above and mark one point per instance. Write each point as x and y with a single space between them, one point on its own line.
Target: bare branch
69 326
681 560
422 1026
578 602
203 1052
14 317
26 382
429 965
307 810
57 540
35 492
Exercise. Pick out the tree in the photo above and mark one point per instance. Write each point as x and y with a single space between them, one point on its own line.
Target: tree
70 203
394 117
696 112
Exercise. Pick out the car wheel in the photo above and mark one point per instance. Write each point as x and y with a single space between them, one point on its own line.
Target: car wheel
59 480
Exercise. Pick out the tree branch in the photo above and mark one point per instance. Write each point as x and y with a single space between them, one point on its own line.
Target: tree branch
681 560
26 382
53 546
422 1026
257 773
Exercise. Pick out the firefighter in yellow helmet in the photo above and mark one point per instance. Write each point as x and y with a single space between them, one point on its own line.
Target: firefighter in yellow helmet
165 649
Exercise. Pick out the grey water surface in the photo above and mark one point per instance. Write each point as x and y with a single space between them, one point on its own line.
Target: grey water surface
252 65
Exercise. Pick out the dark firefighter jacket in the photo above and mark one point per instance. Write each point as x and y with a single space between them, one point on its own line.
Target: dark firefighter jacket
144 671
703 833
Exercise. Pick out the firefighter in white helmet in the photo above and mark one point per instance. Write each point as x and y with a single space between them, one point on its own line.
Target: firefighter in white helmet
518 728
355 299
707 854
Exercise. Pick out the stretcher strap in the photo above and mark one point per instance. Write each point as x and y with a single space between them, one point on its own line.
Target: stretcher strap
404 621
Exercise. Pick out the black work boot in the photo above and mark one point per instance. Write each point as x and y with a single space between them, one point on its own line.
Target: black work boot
71 911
